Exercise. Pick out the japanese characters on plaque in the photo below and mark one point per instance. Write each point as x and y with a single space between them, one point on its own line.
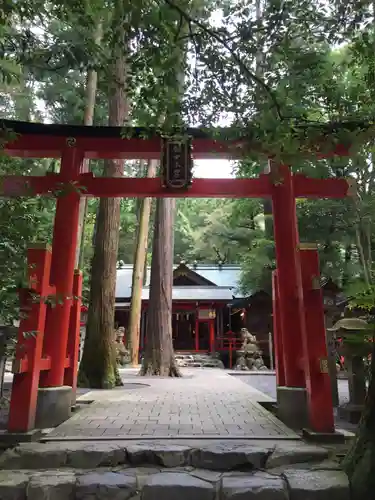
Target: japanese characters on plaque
177 162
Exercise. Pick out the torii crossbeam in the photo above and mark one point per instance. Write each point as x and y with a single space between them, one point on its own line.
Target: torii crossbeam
133 187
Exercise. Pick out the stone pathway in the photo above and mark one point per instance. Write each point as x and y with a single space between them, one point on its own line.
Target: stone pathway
204 436
204 403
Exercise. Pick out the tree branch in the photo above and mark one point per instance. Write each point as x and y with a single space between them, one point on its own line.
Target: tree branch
221 258
252 76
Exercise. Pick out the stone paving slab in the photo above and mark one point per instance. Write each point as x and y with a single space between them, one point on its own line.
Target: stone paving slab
205 403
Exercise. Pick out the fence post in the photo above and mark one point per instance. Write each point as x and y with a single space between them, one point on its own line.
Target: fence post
318 385
27 362
71 372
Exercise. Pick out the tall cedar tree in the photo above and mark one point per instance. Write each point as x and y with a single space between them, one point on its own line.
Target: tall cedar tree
159 355
98 366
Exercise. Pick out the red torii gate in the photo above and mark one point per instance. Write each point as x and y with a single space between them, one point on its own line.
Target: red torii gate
50 359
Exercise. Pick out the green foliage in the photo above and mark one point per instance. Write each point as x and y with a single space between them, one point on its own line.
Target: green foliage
362 297
202 231
22 221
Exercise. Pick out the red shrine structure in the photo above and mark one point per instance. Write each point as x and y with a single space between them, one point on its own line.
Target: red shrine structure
205 312
48 360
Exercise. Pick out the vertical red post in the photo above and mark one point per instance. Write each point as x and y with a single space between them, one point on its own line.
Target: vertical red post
71 372
62 270
319 394
26 365
277 333
197 330
292 318
212 335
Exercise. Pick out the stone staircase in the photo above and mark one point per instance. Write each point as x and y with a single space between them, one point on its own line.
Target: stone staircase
158 470
198 360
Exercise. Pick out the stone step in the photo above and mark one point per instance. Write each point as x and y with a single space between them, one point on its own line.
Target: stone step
217 455
147 470
194 360
171 484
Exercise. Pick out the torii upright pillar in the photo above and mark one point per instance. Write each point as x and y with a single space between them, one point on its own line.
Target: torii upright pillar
54 399
292 403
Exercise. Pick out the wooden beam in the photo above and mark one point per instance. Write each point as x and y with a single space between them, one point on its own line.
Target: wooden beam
137 187
304 187
307 187
39 146
52 146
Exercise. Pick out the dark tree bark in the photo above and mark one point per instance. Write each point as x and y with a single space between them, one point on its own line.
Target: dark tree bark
159 355
359 463
98 366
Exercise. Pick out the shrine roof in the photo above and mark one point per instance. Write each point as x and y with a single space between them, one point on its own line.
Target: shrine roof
225 281
199 293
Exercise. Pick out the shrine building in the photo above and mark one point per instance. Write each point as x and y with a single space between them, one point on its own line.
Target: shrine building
208 308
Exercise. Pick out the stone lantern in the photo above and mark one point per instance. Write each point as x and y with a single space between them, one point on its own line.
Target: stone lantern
355 347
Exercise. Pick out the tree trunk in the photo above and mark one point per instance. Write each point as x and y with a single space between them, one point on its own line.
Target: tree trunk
267 203
368 244
346 275
159 355
359 463
138 270
98 366
366 274
88 119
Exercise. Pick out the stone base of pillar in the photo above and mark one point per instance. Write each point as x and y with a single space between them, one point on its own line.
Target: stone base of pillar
53 406
324 437
350 413
292 406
